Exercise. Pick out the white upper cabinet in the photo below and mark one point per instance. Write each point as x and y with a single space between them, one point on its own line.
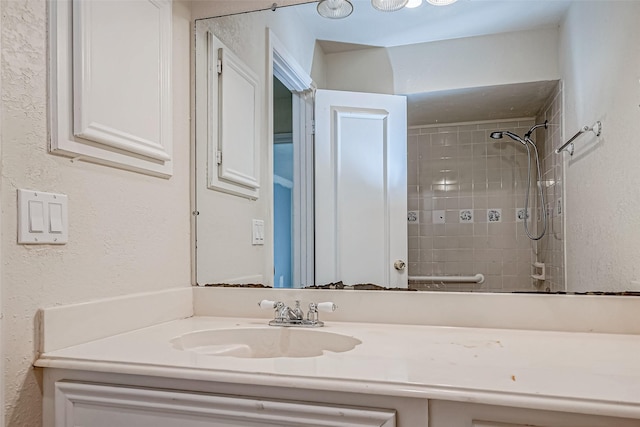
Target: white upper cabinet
110 70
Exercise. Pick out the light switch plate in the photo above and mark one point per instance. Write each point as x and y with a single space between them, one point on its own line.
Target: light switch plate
42 218
257 232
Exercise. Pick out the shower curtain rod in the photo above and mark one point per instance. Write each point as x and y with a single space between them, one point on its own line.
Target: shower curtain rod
596 128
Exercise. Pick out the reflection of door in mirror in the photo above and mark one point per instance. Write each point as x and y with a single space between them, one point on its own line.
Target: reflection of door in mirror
360 188
283 182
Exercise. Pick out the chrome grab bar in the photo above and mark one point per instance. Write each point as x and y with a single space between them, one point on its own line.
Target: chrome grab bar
478 278
596 128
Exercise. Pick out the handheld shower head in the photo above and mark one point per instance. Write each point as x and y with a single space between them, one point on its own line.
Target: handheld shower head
500 134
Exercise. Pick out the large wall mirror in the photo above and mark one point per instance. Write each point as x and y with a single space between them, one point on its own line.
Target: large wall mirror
417 149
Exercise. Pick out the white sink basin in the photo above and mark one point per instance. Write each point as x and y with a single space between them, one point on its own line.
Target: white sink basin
264 342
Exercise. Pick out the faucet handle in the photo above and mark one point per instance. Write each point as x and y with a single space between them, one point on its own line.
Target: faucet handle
326 307
266 304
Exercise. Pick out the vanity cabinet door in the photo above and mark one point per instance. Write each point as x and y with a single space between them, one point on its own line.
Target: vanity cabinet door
96 405
449 414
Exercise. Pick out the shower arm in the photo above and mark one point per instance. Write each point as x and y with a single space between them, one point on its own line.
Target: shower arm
534 127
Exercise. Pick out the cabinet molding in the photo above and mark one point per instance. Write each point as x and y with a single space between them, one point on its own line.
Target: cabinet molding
102 405
110 91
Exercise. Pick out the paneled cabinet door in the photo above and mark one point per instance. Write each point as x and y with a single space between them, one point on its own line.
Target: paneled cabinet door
95 405
450 414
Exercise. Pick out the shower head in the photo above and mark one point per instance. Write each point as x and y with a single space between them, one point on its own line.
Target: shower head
500 134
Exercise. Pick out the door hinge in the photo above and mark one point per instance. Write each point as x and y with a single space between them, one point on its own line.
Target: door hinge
313 127
219 157
219 66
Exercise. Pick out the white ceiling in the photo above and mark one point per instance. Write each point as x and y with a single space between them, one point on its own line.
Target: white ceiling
367 27
465 18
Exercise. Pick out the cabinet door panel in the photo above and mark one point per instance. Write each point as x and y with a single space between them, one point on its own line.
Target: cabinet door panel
94 405
450 414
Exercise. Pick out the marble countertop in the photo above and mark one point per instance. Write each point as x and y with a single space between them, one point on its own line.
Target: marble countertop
565 371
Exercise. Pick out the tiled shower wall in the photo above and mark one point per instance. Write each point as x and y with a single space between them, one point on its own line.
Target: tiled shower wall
551 246
465 191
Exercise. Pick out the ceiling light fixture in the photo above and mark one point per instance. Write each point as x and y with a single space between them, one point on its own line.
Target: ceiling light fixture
413 3
388 5
334 9
441 2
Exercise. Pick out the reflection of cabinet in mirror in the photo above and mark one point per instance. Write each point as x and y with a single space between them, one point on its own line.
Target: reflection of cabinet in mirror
234 123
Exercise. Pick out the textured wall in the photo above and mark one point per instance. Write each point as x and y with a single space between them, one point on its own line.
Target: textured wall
601 67
128 232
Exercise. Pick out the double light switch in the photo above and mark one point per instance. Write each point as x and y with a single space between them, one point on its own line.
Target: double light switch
42 218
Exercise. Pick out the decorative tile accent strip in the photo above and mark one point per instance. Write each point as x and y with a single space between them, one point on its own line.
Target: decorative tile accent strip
521 214
494 215
466 215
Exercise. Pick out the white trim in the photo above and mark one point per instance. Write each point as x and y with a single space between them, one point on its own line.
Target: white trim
286 69
69 94
2 341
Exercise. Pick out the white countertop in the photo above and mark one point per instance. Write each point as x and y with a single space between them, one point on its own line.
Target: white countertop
567 371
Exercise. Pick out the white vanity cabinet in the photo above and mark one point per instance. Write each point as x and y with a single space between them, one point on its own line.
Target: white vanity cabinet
455 414
90 399
100 405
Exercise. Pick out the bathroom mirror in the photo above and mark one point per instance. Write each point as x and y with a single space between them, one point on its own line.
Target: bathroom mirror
467 73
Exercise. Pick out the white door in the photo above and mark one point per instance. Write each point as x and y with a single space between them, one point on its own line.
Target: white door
360 188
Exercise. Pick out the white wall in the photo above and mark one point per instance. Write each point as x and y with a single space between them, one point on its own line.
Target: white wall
365 70
601 67
519 57
128 232
525 56
225 251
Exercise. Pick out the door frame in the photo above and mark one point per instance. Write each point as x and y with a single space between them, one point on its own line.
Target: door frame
286 69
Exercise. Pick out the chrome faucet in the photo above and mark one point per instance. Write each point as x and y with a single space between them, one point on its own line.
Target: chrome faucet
287 316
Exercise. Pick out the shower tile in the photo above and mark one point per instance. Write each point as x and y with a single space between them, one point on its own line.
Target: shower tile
439 230
488 126
480 242
425 242
494 215
478 136
414 255
452 203
452 229
466 229
465 216
413 243
426 255
466 241
521 214
439 255
465 137
413 217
